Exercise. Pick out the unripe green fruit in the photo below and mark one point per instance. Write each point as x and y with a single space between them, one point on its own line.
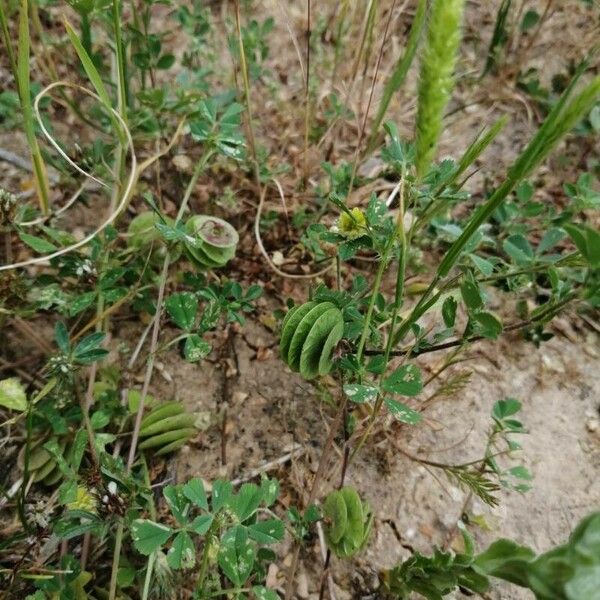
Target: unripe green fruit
143 233
216 241
309 335
166 428
347 522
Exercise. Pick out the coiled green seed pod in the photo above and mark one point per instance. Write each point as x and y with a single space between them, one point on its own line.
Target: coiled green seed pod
166 428
142 233
42 466
309 334
216 241
348 522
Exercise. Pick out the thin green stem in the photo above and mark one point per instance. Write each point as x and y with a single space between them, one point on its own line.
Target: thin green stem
204 561
246 79
150 364
121 66
398 299
376 285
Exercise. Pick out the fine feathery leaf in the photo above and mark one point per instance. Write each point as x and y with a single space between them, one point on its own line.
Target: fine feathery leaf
436 79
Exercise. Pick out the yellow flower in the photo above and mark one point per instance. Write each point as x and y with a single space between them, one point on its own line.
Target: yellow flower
352 225
84 500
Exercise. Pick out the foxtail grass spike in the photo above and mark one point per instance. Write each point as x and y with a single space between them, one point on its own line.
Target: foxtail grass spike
436 79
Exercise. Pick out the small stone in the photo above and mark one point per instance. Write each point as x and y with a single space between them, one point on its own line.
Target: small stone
182 163
592 425
302 585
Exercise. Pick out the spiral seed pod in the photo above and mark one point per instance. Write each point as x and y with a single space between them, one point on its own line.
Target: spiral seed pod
142 233
309 334
166 428
42 466
216 241
348 522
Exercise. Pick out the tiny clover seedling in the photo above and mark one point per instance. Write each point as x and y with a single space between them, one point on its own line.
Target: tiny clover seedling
233 534
228 300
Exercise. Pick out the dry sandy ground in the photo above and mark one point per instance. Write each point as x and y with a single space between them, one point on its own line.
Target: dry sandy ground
270 408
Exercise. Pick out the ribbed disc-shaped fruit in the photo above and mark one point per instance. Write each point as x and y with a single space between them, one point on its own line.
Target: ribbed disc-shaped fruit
169 424
348 522
216 241
356 521
142 229
334 510
162 411
329 322
167 427
309 335
290 323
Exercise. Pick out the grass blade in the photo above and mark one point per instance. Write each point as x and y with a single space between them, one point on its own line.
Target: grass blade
499 37
478 145
93 76
8 43
39 168
560 121
399 73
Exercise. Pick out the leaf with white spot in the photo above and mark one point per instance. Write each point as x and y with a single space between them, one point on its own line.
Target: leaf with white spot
182 308
405 380
236 555
267 532
194 491
402 412
360 393
149 536
182 554
12 394
263 593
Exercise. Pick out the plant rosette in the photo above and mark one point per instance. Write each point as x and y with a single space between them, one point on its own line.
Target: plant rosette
215 241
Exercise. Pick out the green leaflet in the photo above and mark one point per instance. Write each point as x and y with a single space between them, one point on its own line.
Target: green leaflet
309 335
